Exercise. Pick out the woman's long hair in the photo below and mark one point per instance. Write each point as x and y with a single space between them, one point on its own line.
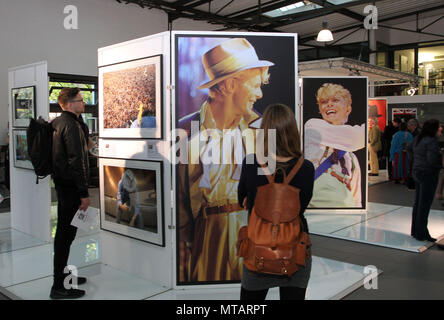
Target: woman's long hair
429 129
281 118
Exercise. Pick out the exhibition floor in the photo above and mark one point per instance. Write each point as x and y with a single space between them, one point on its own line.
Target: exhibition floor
383 225
26 273
26 263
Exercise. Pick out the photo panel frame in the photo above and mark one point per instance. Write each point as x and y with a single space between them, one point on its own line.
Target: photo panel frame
334 122
20 148
270 61
131 199
23 101
130 99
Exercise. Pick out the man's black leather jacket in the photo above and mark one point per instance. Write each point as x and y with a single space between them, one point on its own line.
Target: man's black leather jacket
70 153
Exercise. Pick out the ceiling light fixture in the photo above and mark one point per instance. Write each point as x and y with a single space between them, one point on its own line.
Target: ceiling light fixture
324 35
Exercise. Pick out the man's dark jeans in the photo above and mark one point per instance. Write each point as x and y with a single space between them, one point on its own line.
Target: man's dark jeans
425 185
68 204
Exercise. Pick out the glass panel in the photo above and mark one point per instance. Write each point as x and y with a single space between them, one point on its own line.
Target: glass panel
405 61
88 96
300 6
381 59
431 69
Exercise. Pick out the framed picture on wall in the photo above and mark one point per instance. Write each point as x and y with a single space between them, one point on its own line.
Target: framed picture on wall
23 106
130 99
131 199
21 157
334 117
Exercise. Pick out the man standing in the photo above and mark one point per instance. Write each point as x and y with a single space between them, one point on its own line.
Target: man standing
375 145
208 210
329 145
413 127
70 174
388 134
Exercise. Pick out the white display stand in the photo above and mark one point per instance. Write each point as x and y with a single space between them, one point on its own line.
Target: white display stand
148 261
30 202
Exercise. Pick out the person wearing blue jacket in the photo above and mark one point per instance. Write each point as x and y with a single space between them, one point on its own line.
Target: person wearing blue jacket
427 162
398 154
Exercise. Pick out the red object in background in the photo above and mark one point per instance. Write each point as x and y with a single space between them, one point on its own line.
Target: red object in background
381 104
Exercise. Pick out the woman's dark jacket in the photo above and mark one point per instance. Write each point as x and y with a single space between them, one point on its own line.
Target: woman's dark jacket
70 153
426 155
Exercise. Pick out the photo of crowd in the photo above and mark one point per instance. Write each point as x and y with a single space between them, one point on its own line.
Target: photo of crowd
128 96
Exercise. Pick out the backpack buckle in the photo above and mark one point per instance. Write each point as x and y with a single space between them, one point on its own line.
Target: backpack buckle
260 263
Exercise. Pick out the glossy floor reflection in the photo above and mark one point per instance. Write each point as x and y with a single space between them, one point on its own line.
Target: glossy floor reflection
11 240
5 220
104 283
27 274
380 178
330 280
384 225
28 264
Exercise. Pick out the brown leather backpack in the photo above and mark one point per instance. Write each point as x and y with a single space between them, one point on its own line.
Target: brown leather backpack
273 242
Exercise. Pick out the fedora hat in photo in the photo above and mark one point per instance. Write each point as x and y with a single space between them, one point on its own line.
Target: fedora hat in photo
228 58
373 112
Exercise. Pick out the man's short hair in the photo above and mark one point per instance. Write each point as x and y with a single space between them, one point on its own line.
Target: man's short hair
413 122
397 120
67 94
332 89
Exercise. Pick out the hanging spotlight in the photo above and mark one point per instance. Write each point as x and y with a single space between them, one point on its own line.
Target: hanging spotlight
324 35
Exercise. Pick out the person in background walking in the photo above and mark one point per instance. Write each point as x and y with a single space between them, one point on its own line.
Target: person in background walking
387 137
398 153
413 127
427 162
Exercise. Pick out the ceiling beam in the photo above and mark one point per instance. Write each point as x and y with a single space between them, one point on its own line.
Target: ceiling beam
269 6
183 2
404 15
307 15
345 12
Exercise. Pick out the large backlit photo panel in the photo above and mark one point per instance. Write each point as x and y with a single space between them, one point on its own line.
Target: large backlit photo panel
222 82
335 140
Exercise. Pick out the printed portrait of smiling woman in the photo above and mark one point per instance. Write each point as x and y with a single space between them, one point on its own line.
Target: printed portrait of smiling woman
330 143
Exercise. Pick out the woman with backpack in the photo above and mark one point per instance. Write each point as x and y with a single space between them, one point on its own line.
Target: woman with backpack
275 245
427 162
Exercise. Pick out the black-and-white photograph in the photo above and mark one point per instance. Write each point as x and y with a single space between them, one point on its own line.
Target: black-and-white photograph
23 106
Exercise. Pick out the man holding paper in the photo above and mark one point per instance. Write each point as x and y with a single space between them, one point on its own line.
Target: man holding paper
70 174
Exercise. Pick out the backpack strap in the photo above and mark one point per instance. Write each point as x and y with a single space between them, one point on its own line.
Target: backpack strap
287 179
293 171
269 177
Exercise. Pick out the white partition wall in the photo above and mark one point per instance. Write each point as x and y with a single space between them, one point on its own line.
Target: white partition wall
147 260
30 202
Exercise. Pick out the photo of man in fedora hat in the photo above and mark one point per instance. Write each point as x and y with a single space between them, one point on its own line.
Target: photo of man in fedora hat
208 212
